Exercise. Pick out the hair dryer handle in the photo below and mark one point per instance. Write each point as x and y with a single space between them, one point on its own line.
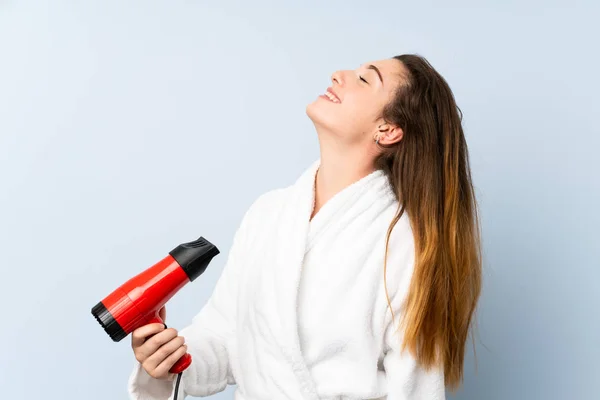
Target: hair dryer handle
184 362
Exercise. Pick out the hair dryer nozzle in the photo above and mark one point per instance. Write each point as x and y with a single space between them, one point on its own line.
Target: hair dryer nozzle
108 322
194 256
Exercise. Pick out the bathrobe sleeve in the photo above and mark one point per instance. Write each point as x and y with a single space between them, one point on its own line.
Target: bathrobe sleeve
207 337
405 379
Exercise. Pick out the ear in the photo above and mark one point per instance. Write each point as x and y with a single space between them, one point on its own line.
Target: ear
389 134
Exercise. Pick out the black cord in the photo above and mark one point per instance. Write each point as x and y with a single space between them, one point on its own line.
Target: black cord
177 385
178 377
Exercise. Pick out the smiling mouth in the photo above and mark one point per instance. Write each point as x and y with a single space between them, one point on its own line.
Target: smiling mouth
331 97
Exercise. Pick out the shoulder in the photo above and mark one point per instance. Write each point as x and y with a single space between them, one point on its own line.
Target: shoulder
270 198
263 205
266 201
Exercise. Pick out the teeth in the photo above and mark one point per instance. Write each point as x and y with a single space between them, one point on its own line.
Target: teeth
332 97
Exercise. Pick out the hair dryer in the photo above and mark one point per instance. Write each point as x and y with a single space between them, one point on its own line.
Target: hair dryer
137 301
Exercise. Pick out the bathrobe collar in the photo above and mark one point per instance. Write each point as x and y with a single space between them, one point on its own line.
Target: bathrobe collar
296 234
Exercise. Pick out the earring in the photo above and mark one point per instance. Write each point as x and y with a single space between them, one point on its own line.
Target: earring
377 141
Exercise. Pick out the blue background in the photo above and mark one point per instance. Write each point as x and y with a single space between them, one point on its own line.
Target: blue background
127 128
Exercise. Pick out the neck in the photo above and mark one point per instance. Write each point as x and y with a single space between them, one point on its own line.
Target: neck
339 168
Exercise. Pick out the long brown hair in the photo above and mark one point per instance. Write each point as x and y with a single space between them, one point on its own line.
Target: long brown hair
430 174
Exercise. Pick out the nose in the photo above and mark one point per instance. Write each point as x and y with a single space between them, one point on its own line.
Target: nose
336 77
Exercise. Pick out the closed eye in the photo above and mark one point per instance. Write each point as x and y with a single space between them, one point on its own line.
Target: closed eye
363 79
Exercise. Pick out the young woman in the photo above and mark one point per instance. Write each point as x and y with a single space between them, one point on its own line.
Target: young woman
358 281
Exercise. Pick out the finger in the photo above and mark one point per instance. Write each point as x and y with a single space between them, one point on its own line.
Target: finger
163 368
158 342
162 353
141 334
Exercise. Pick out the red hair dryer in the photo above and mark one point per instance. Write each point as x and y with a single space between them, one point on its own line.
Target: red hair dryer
137 301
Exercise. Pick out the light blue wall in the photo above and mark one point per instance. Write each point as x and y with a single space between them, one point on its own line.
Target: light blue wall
127 128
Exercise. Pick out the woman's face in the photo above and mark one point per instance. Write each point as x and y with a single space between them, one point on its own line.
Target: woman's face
361 94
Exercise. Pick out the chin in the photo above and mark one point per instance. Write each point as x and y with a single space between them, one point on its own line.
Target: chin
318 114
326 120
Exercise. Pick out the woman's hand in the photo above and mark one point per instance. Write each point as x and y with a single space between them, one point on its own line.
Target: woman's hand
157 348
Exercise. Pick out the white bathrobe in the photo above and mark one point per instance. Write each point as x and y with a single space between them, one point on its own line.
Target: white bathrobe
300 310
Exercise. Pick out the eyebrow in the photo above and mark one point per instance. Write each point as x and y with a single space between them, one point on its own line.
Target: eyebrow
371 66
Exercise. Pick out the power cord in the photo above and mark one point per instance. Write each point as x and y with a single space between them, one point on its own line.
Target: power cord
177 385
178 378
